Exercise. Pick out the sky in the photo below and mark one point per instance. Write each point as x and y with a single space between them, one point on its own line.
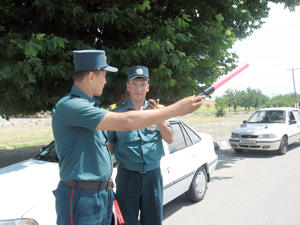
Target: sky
270 52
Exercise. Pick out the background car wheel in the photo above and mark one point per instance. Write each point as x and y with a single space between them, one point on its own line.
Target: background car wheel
283 146
198 186
237 150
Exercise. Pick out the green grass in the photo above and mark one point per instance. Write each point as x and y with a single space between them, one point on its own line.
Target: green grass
25 134
202 110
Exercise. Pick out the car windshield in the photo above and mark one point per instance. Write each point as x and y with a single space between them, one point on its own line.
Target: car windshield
48 153
268 116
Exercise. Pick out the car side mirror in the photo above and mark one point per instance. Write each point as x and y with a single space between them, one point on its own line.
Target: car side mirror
292 122
244 123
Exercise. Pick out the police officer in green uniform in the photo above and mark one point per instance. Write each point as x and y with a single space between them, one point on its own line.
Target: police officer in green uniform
139 179
84 194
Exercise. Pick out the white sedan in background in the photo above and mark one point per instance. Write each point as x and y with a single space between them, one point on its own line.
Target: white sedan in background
26 187
268 129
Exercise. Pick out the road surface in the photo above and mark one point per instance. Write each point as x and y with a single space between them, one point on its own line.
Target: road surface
254 188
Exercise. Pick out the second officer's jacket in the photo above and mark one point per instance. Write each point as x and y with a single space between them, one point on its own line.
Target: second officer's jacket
137 149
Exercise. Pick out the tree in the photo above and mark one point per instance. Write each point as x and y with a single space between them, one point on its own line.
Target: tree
252 98
184 43
231 98
284 100
220 106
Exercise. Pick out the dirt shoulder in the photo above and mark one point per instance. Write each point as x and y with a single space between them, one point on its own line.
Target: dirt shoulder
219 128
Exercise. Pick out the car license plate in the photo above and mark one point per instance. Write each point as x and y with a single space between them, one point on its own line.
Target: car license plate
246 141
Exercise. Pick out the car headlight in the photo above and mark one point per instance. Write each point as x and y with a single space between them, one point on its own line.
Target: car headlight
234 135
21 221
266 136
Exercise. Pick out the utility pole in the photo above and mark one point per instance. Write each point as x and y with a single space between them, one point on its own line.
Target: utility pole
296 103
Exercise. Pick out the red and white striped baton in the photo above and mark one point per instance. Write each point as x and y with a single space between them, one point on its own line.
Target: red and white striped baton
223 80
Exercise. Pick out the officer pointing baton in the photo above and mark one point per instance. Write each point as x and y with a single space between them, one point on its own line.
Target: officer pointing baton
84 194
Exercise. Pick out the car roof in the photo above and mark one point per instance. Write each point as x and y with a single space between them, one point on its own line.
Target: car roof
278 108
174 119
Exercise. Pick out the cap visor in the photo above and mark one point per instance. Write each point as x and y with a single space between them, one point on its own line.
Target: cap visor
138 76
111 69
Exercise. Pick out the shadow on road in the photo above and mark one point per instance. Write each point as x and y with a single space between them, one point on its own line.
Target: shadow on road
293 147
175 205
226 158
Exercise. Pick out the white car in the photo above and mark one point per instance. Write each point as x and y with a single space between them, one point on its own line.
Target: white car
268 129
26 187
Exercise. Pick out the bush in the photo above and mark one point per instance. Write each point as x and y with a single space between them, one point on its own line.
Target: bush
220 112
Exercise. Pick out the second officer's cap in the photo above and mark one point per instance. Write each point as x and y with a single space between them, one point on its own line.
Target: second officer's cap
85 60
138 71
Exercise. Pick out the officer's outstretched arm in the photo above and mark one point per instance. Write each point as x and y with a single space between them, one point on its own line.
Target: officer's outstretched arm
138 119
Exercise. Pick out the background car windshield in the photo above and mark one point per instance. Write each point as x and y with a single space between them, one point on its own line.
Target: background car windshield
268 116
297 114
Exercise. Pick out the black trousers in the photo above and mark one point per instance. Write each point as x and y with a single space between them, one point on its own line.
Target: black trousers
140 192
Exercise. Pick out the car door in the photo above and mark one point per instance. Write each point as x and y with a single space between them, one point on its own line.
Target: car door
296 126
293 127
178 165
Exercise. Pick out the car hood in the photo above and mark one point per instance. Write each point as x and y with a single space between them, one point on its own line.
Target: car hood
257 128
26 191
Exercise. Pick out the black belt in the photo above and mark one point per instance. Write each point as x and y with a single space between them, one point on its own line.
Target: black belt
92 185
142 172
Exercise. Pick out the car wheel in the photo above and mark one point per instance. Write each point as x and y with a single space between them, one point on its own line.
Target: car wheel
198 186
238 150
283 146
216 146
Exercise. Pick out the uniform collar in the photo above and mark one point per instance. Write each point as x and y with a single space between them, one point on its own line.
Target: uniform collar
129 106
79 93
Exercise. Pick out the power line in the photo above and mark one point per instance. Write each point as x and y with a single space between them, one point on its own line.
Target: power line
292 69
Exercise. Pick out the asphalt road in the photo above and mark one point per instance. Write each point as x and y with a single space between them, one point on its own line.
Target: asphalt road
254 188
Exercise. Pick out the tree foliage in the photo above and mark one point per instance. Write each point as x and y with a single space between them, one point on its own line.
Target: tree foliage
184 43
252 98
285 100
220 104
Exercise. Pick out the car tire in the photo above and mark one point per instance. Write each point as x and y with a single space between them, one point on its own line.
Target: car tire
216 146
198 186
238 150
283 146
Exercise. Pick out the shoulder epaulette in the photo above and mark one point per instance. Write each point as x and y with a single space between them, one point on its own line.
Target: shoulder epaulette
115 106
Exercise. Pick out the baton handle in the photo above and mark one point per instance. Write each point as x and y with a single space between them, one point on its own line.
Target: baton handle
207 91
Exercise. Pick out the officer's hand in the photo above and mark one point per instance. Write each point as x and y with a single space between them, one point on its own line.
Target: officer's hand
154 104
188 105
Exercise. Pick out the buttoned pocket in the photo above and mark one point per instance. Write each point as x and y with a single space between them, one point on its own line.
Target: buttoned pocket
58 194
128 136
151 134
